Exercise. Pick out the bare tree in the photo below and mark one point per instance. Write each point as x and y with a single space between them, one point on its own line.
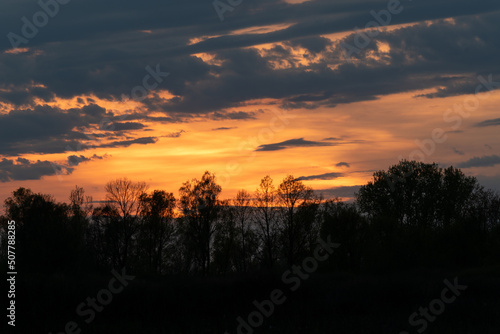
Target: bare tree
79 203
265 201
124 195
235 242
242 206
292 196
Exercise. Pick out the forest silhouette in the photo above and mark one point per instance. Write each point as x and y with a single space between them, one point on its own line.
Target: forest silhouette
211 255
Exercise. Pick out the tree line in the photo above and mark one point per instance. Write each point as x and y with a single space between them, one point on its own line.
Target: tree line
412 215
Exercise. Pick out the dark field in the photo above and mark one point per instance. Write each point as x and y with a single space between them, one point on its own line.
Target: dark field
324 303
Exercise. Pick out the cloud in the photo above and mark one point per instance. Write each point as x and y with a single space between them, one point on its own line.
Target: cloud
174 134
489 122
23 169
46 129
126 126
74 160
313 44
300 142
235 115
177 35
224 128
127 143
458 151
343 164
485 161
75 59
327 176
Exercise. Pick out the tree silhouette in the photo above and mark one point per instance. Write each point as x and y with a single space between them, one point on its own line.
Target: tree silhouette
411 215
80 207
45 237
267 220
345 222
226 240
235 242
157 228
104 237
242 205
294 195
199 203
423 214
424 195
124 195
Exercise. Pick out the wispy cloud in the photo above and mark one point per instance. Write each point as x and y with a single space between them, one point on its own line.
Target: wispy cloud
327 176
299 142
126 143
75 160
174 134
485 161
489 122
343 164
224 128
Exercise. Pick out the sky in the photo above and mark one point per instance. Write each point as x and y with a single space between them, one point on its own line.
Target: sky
161 91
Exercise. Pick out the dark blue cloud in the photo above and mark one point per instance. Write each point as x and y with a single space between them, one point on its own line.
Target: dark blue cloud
127 143
300 142
223 128
485 161
23 169
126 126
326 176
343 164
489 122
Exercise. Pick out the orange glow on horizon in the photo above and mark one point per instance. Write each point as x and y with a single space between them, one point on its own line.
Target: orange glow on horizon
367 140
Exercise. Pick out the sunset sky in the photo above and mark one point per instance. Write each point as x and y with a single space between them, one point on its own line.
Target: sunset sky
253 88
